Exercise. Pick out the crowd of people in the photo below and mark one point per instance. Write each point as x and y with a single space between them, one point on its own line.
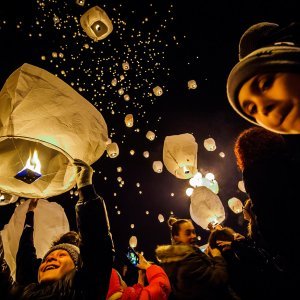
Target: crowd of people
263 87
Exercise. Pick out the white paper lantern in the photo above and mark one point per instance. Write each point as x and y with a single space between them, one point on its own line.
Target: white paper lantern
146 154
133 241
241 186
96 23
80 2
235 205
210 144
192 84
150 135
180 155
157 91
50 222
114 82
42 117
121 91
206 207
157 166
126 97
125 66
161 218
129 120
112 150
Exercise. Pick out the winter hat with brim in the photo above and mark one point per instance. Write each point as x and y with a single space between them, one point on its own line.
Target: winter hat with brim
73 251
263 48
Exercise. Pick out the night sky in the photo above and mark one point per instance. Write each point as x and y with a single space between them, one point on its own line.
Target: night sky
167 43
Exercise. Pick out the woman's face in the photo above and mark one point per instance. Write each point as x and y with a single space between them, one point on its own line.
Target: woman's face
186 234
273 100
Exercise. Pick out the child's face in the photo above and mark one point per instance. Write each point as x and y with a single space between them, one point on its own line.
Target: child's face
273 100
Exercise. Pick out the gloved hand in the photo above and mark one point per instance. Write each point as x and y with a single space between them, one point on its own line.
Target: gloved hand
84 173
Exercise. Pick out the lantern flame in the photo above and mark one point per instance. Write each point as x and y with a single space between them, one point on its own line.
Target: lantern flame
33 163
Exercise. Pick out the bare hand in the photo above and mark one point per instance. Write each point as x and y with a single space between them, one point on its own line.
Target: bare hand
32 204
143 263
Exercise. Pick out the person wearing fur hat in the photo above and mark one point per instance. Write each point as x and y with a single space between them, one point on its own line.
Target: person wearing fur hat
68 271
263 87
193 274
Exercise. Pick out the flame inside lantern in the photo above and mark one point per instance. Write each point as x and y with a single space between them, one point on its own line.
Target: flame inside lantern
33 163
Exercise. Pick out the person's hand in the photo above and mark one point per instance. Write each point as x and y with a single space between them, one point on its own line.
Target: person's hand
84 173
226 245
143 263
32 204
213 252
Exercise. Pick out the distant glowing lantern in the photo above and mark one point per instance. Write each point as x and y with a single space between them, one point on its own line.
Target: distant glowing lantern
160 218
146 154
96 23
7 198
112 150
206 207
80 2
210 144
210 176
157 91
132 152
126 97
150 135
157 166
192 84
114 82
121 91
189 191
119 169
241 186
180 155
122 77
50 221
133 241
125 66
129 120
222 154
235 205
42 122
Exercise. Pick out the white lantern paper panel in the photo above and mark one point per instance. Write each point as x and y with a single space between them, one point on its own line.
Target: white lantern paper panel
133 241
41 114
192 84
50 222
210 144
129 120
180 155
112 150
206 207
157 166
157 91
235 205
96 23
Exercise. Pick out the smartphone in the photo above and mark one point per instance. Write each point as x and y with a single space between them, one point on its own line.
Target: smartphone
132 256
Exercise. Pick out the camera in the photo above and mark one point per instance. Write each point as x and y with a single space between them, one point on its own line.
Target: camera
132 256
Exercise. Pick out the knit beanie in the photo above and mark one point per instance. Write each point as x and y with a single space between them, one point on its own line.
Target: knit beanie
73 251
263 48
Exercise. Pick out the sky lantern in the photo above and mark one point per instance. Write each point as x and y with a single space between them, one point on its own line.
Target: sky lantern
241 186
146 154
112 150
160 218
206 207
114 82
125 66
192 85
210 144
157 91
180 155
133 241
50 221
157 166
44 125
150 135
96 23
129 120
80 2
126 97
235 205
121 91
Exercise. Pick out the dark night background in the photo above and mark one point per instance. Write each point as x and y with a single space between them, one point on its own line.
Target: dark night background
170 43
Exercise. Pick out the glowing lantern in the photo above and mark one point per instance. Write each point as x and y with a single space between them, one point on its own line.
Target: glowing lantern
80 2
180 155
133 241
7 198
96 23
114 82
206 207
241 186
119 169
112 150
157 166
125 66
44 125
50 221
160 218
126 97
121 91
235 205
157 91
210 144
222 154
150 135
129 120
146 154
189 191
192 84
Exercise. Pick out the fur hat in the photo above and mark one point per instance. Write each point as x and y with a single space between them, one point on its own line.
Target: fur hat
73 251
263 48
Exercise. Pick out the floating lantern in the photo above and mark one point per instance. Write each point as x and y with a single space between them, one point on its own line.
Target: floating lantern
96 23
129 120
222 154
146 154
50 221
241 186
80 2
125 66
235 205
206 207
180 155
126 97
114 82
120 91
42 123
133 241
161 218
112 150
192 84
210 144
189 191
119 169
150 135
157 91
157 166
